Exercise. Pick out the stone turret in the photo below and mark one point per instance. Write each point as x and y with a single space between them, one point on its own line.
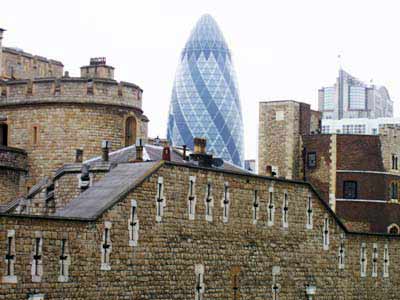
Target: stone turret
98 68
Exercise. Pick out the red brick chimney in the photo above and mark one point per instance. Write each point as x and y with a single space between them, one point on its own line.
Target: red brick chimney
166 153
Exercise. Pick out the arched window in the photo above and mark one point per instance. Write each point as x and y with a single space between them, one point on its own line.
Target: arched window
130 131
393 229
3 134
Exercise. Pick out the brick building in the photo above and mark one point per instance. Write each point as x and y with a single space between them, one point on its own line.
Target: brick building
146 221
358 175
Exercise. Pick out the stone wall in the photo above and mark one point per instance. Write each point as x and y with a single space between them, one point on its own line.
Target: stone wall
239 254
18 64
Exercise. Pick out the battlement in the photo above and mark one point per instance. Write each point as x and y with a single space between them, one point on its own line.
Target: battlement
13 158
70 90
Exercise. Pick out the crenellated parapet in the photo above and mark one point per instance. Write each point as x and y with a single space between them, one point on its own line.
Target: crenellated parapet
70 90
13 159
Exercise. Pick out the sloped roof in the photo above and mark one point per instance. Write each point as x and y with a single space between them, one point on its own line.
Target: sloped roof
106 192
154 153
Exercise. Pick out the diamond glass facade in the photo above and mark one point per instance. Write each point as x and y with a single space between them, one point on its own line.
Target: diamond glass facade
205 100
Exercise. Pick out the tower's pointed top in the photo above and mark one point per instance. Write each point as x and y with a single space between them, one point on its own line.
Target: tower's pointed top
206 35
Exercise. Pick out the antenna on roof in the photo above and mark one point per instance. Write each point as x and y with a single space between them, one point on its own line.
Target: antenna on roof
339 61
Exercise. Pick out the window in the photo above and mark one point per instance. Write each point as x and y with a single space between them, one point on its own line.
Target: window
309 224
357 98
393 190
225 203
354 129
329 94
271 207
279 115
192 198
64 262
375 260
325 129
9 276
311 160
199 288
285 210
133 225
350 190
235 273
341 252
160 201
3 134
386 261
106 247
256 206
395 160
37 255
325 233
130 131
363 260
209 203
35 135
394 229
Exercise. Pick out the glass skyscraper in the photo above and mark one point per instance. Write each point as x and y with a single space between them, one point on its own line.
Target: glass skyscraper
205 100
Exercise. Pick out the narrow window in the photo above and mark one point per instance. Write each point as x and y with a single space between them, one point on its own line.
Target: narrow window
90 89
235 272
350 189
225 203
199 288
285 210
36 262
36 297
256 206
130 131
375 260
271 207
35 135
341 251
393 190
325 233
3 134
65 261
160 201
311 160
209 203
192 198
106 247
309 224
386 261
57 88
29 88
9 276
133 225
363 260
394 162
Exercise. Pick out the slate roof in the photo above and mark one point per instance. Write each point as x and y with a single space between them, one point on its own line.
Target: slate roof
154 153
107 191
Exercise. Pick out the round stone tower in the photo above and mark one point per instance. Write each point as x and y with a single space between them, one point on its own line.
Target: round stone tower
50 118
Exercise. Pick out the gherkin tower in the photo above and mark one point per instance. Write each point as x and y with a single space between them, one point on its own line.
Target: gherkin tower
205 100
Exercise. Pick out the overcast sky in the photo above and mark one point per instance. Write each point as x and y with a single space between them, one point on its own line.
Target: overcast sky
281 49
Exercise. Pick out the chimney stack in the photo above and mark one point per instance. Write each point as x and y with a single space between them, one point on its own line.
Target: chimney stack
139 150
78 155
105 147
200 145
1 52
166 153
184 152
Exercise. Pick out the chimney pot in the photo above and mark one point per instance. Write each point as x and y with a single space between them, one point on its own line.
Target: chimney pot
200 145
184 152
105 147
166 154
78 155
139 152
